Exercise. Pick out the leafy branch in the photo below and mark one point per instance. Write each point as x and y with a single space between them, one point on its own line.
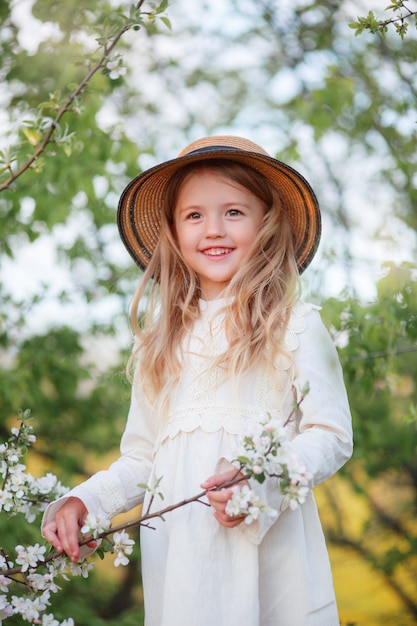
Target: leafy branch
47 129
402 15
264 453
139 521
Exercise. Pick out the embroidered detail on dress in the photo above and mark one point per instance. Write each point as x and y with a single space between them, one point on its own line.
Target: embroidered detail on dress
276 390
211 419
203 348
297 325
110 497
207 405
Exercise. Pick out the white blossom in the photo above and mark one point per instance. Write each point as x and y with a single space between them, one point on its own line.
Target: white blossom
265 452
6 608
121 559
4 583
6 501
46 483
29 608
29 510
80 569
42 582
49 620
30 556
95 524
115 68
245 501
123 546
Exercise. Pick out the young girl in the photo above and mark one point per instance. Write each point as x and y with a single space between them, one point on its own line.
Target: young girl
222 232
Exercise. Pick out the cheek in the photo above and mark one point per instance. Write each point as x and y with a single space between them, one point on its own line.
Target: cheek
175 228
170 234
181 239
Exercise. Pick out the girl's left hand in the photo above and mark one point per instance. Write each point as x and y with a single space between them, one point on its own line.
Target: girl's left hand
219 498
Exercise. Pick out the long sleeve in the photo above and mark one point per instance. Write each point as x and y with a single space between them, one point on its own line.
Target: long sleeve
116 489
323 424
324 442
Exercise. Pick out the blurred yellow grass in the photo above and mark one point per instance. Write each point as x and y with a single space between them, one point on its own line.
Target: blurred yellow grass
363 595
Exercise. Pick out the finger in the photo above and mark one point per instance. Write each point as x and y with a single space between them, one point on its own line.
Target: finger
227 521
219 479
69 520
49 532
219 503
210 482
68 530
219 498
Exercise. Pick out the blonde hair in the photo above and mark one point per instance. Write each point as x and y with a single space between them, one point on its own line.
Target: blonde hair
263 292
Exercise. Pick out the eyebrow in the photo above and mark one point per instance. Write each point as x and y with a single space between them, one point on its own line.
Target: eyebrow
198 207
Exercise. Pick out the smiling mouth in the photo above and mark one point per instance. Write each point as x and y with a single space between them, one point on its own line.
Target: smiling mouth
217 251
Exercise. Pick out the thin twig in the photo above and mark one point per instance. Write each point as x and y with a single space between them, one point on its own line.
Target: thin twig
140 521
107 49
401 18
379 354
295 408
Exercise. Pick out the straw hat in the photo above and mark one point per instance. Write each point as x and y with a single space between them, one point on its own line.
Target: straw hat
139 211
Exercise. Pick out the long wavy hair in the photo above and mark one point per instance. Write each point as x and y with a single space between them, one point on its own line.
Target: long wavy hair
262 292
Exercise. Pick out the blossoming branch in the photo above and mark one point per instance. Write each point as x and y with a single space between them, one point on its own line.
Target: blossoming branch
265 454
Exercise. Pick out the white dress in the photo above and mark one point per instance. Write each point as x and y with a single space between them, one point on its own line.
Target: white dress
196 572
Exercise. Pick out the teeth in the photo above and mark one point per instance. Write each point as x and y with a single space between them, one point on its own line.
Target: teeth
217 251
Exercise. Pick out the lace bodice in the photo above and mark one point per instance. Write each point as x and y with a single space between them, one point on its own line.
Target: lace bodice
204 400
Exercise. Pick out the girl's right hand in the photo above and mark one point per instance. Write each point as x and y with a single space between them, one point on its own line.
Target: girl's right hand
219 498
63 531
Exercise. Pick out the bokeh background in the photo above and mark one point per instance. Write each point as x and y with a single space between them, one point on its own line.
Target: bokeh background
293 76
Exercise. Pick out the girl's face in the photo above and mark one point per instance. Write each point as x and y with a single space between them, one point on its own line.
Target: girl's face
216 221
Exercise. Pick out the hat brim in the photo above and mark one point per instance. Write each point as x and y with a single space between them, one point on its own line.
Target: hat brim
140 205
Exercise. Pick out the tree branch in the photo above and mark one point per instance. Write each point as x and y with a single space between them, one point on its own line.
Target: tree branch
66 107
140 521
367 555
379 354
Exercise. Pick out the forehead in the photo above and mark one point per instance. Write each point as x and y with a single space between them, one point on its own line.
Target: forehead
205 185
240 176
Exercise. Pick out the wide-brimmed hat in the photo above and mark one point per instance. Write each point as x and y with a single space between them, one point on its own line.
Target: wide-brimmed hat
140 205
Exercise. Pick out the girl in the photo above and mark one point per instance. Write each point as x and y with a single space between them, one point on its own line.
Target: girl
222 233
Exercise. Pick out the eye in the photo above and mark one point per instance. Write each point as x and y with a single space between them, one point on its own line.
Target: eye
234 212
194 215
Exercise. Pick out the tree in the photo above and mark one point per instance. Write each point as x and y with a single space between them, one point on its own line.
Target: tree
42 188
340 108
379 357
61 168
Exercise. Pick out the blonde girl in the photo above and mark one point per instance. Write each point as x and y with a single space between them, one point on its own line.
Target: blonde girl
222 233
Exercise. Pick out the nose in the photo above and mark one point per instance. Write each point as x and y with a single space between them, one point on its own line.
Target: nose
215 226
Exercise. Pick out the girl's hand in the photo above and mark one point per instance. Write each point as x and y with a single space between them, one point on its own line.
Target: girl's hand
63 532
219 498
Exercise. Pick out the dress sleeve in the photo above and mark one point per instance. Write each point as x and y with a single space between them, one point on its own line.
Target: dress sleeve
116 489
324 442
324 427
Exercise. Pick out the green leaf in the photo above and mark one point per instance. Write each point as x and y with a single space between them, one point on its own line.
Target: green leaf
166 21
